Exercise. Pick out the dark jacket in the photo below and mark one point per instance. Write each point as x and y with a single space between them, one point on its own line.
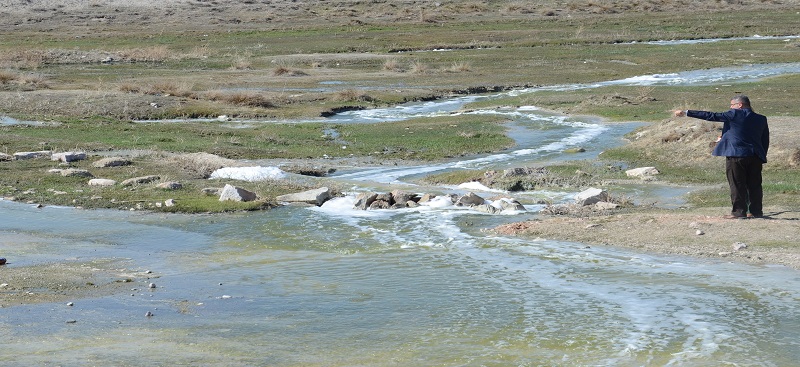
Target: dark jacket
744 132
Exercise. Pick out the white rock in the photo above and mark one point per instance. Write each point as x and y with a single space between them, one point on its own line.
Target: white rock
591 196
31 155
67 157
102 182
642 172
233 193
739 246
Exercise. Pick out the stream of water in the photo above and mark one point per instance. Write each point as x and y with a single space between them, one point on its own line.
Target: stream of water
334 286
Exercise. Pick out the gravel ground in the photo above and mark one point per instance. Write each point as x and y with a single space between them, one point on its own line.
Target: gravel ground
695 232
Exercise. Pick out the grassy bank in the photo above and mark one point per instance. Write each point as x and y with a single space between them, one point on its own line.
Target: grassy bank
111 64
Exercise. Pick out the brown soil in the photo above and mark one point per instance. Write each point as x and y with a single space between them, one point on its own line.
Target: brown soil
697 232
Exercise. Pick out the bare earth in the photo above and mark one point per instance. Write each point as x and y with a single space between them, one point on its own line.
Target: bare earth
696 232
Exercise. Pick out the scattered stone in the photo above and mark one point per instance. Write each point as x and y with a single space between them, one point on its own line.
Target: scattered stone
32 155
170 185
3 262
401 197
426 198
364 200
699 232
593 225
642 172
72 321
111 162
225 296
211 191
223 118
76 172
102 182
70 304
470 199
140 180
380 204
739 246
67 157
148 314
316 197
233 193
591 196
169 203
605 205
486 208
151 285
6 157
509 204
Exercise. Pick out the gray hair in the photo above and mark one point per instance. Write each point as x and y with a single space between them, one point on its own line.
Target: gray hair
743 99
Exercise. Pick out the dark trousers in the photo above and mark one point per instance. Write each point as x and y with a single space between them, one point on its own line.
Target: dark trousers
744 178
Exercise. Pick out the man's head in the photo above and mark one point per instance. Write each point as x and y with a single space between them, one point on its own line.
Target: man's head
740 101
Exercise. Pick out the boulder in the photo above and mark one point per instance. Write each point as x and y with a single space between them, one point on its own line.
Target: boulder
31 155
140 180
211 191
74 172
316 197
509 204
426 198
401 197
102 182
67 157
470 199
642 172
486 208
233 193
364 200
591 196
605 205
380 204
111 162
170 185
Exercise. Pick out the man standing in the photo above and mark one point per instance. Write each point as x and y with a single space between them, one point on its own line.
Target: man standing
744 143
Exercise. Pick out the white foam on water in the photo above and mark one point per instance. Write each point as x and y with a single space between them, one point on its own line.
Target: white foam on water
477 186
250 174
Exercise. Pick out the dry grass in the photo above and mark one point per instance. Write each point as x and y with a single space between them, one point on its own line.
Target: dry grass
7 76
392 65
241 63
147 54
287 71
459 67
241 99
418 67
199 165
352 95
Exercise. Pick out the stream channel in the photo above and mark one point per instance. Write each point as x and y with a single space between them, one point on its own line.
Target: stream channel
334 286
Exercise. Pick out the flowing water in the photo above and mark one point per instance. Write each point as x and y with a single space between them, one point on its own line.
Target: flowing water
334 286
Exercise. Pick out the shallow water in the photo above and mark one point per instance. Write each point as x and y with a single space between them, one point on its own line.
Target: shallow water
333 286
